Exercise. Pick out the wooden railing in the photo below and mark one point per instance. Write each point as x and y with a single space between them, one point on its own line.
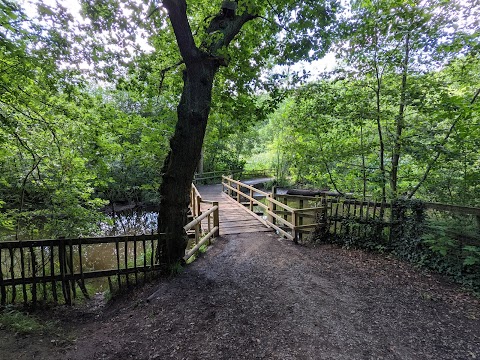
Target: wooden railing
288 221
209 219
53 269
195 201
212 176
469 210
211 215
58 270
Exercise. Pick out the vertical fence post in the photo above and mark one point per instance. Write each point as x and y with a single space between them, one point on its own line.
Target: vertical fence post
362 204
62 260
294 223
382 221
269 208
348 228
216 219
367 212
72 270
199 201
285 201
12 274
82 286
135 259
238 193
3 291
34 275
209 222
197 233
22 274
117 251
127 280
152 262
325 214
144 247
44 275
52 273
300 217
274 206
251 200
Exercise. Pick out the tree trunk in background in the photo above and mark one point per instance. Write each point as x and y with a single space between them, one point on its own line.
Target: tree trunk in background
397 146
381 152
181 162
364 170
378 119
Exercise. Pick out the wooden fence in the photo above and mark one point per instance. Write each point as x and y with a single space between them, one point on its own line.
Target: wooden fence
328 214
363 218
291 222
216 176
207 222
57 270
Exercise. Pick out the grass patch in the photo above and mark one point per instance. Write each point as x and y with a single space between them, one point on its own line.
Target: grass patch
22 323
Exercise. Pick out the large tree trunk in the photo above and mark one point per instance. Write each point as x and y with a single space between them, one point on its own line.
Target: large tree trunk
193 109
180 164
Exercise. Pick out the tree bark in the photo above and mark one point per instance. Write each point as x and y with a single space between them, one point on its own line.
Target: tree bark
381 152
200 162
378 118
400 121
180 165
364 170
192 114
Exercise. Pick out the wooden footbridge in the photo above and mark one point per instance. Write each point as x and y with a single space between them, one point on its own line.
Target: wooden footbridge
247 209
233 217
56 270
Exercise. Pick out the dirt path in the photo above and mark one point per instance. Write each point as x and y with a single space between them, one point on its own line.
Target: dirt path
265 298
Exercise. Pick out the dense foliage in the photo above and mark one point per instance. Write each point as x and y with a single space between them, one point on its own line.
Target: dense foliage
88 105
68 147
400 116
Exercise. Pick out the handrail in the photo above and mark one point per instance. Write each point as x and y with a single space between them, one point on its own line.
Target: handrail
200 243
246 186
199 219
195 201
292 229
212 216
218 174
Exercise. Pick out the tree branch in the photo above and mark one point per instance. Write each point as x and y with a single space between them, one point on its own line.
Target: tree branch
229 27
164 71
177 12
439 151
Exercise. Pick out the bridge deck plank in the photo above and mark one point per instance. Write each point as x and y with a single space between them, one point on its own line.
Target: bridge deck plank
234 219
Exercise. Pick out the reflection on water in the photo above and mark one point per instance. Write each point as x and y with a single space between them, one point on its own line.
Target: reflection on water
130 222
91 257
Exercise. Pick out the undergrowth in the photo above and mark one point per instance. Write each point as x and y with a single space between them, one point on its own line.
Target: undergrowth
23 323
446 243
